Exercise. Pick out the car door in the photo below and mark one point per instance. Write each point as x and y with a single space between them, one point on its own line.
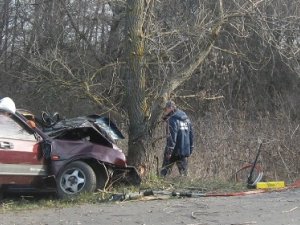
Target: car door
20 158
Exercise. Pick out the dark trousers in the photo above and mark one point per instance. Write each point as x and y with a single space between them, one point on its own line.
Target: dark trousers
181 162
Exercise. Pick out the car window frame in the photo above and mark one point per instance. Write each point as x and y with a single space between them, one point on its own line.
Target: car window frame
23 125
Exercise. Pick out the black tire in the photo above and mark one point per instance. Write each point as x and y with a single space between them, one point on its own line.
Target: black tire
76 178
1 193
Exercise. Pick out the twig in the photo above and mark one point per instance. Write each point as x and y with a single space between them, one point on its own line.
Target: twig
294 131
202 97
285 165
245 223
194 214
291 210
197 223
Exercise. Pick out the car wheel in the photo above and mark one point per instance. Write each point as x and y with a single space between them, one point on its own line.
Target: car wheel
76 178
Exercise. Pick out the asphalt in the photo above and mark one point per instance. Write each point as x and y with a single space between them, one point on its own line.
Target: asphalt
272 208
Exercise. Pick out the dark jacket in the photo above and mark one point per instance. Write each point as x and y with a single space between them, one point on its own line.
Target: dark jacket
180 134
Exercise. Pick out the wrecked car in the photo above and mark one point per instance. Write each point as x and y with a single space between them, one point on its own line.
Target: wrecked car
69 156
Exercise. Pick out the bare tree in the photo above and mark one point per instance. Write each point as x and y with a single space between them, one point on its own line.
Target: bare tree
181 40
143 115
129 57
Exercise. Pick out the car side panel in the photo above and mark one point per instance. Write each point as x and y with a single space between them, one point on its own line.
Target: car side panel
21 164
75 150
21 161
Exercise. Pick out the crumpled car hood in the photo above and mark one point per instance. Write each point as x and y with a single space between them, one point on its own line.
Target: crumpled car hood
93 128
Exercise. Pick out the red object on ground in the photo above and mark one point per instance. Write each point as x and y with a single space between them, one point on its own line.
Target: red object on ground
296 184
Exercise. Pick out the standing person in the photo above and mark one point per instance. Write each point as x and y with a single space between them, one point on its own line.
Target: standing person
179 144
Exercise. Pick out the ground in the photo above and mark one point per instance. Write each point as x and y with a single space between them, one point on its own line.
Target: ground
273 208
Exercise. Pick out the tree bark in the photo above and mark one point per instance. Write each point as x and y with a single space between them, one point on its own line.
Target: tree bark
135 78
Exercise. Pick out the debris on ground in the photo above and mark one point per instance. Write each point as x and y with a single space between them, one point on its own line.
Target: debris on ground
166 194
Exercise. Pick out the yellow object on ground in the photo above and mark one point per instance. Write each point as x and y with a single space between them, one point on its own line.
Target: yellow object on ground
270 185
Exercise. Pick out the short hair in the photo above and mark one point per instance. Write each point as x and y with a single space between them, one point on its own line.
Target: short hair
170 104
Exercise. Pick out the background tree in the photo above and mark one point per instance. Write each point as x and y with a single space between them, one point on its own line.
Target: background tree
221 61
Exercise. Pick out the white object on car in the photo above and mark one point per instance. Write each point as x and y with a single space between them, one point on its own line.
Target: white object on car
7 104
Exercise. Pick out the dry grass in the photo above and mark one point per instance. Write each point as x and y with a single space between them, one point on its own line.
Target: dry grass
225 141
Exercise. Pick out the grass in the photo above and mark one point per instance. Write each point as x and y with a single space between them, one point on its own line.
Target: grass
191 184
30 202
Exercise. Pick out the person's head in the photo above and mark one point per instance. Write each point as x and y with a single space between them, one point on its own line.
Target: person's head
169 107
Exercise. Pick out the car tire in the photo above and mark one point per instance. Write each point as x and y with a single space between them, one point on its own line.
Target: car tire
75 178
1 192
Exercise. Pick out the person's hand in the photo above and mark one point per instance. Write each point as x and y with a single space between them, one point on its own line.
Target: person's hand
165 117
168 156
168 153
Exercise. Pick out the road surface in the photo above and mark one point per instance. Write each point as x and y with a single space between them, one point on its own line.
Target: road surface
273 208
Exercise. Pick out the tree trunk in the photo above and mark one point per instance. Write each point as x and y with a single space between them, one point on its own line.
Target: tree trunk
138 152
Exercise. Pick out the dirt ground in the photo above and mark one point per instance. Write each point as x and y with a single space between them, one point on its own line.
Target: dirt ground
273 208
